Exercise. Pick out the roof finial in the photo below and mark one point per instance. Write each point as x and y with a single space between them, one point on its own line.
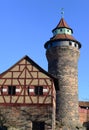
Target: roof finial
62 12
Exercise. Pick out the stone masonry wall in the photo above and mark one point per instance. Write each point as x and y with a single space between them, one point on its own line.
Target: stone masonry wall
21 118
62 63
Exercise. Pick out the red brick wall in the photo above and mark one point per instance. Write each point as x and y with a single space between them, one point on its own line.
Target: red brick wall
83 114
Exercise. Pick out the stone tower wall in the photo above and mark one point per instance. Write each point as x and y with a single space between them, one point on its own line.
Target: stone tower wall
62 63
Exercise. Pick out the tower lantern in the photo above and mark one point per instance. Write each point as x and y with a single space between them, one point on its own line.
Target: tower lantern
62 52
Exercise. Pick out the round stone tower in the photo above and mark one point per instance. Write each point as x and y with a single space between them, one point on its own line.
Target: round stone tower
62 51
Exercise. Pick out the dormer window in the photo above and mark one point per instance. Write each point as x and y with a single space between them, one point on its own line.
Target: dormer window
38 90
11 90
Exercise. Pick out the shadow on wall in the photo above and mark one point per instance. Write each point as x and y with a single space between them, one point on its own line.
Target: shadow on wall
86 124
3 128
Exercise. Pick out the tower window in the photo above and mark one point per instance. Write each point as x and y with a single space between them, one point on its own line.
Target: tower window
75 45
50 44
61 29
70 43
55 31
38 126
11 90
39 90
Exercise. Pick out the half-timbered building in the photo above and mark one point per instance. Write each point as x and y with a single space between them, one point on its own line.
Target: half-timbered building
27 97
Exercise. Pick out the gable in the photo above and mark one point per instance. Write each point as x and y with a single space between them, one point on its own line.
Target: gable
24 72
29 65
23 78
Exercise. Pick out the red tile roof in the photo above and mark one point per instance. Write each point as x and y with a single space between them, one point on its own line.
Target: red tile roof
63 36
83 104
62 24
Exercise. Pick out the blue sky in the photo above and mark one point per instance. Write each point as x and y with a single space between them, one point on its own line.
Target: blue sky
25 25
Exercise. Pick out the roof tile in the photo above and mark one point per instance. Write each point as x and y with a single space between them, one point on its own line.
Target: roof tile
63 36
83 104
62 23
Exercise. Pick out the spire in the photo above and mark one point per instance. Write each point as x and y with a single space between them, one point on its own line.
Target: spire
62 12
62 24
